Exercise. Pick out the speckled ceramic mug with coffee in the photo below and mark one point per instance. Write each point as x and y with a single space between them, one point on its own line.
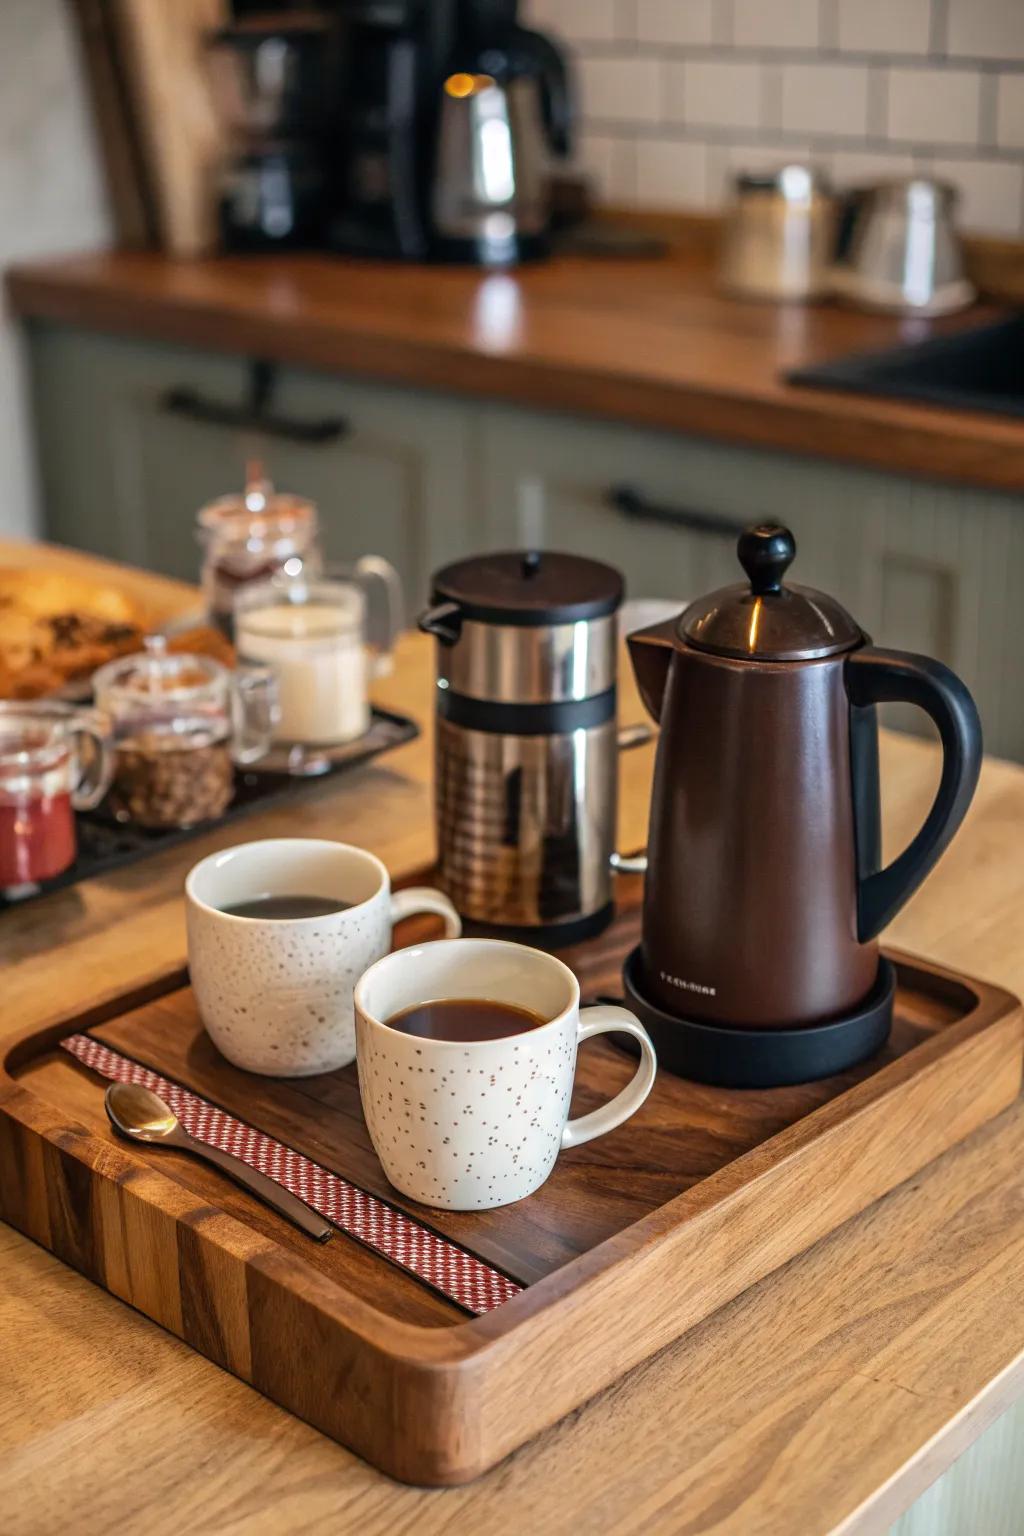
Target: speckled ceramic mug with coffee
468 1125
275 994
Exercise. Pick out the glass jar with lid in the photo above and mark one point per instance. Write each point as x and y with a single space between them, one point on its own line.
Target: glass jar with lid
55 759
181 723
251 537
323 640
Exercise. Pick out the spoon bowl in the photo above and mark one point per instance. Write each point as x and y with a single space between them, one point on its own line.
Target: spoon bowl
138 1113
143 1116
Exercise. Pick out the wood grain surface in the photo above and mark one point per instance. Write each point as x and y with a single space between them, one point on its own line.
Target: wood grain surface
131 201
163 43
642 340
692 1201
823 1399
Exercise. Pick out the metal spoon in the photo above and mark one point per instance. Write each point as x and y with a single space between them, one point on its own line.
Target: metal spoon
143 1116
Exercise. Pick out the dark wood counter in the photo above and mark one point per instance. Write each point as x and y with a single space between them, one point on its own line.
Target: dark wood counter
646 341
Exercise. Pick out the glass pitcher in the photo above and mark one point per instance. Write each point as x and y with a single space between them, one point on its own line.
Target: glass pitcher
251 537
55 759
323 643
181 723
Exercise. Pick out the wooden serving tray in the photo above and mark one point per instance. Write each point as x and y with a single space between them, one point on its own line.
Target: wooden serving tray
634 1239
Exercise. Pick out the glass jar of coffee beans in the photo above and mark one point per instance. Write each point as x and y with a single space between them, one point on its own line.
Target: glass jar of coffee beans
181 723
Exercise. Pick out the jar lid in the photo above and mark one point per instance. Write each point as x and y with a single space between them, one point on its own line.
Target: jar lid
762 619
258 512
158 677
793 182
526 588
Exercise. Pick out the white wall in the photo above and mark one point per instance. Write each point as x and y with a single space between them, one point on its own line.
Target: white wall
51 201
679 94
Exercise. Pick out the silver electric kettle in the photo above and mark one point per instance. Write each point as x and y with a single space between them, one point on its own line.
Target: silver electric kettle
504 115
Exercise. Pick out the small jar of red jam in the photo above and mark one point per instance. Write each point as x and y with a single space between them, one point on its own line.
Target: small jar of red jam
252 537
54 760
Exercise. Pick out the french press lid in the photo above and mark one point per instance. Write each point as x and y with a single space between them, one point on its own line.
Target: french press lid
529 588
763 619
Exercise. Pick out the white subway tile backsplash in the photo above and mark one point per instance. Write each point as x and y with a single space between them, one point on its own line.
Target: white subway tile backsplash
622 90
986 29
1010 112
610 162
776 23
884 26
991 193
825 98
671 174
575 20
858 168
676 93
934 106
674 21
716 93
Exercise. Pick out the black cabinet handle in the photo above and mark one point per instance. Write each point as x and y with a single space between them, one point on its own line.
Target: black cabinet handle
255 413
634 505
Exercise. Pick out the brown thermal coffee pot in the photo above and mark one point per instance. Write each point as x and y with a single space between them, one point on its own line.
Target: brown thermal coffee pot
764 893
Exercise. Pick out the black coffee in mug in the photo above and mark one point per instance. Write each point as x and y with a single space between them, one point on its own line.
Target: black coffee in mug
465 1018
286 908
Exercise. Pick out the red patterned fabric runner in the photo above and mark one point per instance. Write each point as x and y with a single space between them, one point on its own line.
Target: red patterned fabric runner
443 1265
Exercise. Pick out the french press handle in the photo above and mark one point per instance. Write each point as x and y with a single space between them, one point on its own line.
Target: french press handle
443 621
876 676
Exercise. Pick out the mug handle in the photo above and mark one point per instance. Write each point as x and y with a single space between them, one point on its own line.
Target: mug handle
610 1019
421 898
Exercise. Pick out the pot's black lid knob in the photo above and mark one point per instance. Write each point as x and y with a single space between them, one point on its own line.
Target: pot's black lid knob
766 552
763 620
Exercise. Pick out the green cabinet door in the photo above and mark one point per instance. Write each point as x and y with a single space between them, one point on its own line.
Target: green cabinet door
929 568
123 472
424 478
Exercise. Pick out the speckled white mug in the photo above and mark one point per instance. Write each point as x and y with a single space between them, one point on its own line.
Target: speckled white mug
467 1126
276 994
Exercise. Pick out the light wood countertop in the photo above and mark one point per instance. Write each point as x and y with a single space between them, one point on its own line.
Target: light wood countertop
644 340
824 1399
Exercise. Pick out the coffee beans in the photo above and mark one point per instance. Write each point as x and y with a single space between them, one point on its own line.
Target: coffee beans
157 784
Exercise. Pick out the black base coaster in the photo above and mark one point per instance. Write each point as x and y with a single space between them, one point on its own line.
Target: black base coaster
548 935
762 1058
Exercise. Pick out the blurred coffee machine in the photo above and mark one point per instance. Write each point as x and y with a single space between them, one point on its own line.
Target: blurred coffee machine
275 79
453 114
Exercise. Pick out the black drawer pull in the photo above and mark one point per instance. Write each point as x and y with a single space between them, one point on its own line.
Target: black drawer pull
255 413
632 504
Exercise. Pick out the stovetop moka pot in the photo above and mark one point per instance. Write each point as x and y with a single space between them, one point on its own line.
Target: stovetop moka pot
764 893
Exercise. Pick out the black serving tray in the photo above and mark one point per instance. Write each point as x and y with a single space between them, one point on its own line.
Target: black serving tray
105 844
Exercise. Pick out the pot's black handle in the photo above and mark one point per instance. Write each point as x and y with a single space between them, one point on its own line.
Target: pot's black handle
875 676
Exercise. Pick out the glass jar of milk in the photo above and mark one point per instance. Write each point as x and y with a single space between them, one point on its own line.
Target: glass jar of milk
315 638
